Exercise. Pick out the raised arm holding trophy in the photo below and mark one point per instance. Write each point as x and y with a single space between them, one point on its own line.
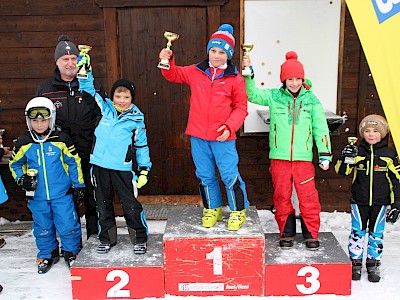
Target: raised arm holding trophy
171 37
246 50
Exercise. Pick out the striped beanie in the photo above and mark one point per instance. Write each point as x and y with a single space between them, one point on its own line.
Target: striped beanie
65 47
223 39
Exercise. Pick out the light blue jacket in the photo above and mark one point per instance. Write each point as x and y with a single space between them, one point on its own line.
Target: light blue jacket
3 192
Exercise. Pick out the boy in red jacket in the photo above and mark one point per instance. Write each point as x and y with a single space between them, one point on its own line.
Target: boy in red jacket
218 107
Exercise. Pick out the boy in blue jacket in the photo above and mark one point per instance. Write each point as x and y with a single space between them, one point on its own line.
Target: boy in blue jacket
52 154
120 137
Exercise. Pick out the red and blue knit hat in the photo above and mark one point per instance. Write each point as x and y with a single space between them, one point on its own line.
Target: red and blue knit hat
291 68
223 39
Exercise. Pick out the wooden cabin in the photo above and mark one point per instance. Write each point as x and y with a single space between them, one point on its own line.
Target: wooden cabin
126 37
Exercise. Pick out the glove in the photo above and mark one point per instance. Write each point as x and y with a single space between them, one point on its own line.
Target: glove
79 195
350 151
87 84
28 183
142 179
324 164
393 215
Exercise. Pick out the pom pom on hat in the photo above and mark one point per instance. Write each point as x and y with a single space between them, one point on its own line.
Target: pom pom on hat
125 83
223 38
375 121
292 68
65 47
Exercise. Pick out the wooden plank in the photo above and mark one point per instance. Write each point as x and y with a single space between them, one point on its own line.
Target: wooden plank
111 47
158 3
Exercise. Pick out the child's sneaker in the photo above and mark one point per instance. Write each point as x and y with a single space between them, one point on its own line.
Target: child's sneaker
286 242
374 274
211 216
312 244
69 257
140 248
2 243
236 219
45 264
356 265
104 248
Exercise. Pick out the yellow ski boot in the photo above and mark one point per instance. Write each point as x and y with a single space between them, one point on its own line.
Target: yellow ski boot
236 219
211 216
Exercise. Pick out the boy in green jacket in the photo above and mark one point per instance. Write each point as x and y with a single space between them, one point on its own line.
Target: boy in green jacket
297 119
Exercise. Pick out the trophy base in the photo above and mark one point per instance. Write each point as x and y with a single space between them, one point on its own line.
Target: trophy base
30 193
246 72
163 66
84 76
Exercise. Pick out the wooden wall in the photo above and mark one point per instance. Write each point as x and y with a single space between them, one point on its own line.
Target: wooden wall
28 35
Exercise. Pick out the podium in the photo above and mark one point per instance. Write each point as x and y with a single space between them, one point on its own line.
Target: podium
119 273
190 260
202 261
301 272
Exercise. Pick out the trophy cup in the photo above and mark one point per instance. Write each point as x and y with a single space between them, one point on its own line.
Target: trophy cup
352 140
1 137
32 173
171 37
84 67
246 51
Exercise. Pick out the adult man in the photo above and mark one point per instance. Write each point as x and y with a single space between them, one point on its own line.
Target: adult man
77 114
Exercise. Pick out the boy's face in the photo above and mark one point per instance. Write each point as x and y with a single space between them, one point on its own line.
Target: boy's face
217 57
67 66
294 84
371 135
122 99
40 125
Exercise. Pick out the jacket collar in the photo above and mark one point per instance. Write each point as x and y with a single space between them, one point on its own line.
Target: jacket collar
231 70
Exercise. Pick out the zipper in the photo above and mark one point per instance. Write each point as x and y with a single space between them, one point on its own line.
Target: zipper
293 120
44 172
371 175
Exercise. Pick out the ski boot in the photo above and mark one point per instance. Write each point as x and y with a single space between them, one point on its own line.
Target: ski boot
356 265
374 274
286 242
69 257
45 264
211 216
140 248
236 219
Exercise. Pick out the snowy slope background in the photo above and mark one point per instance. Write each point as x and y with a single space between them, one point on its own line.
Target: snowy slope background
19 278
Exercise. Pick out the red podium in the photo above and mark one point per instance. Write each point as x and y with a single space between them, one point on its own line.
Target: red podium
120 273
301 272
202 261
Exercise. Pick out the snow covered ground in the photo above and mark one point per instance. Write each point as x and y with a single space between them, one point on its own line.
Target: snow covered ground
18 272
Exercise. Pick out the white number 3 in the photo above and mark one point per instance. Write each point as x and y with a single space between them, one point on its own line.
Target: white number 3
312 280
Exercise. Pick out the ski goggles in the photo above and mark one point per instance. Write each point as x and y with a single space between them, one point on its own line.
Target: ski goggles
37 112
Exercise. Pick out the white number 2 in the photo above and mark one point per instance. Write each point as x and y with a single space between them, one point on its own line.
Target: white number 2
216 256
116 290
313 280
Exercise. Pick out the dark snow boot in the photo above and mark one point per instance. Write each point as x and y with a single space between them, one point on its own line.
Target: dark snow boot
312 244
374 274
45 264
2 243
286 242
356 265
69 257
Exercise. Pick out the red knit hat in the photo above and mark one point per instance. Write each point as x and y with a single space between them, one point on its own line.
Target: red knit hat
291 68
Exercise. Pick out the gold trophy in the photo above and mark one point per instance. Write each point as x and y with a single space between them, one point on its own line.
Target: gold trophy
352 141
31 173
84 67
246 51
171 37
1 137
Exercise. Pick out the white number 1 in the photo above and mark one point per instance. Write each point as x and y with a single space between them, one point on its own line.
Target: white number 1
216 256
313 280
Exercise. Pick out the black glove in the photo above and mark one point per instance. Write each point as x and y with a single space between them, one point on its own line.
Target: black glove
393 215
79 195
349 151
28 183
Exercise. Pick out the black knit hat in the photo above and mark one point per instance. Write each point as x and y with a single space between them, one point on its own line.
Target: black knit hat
65 47
126 83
